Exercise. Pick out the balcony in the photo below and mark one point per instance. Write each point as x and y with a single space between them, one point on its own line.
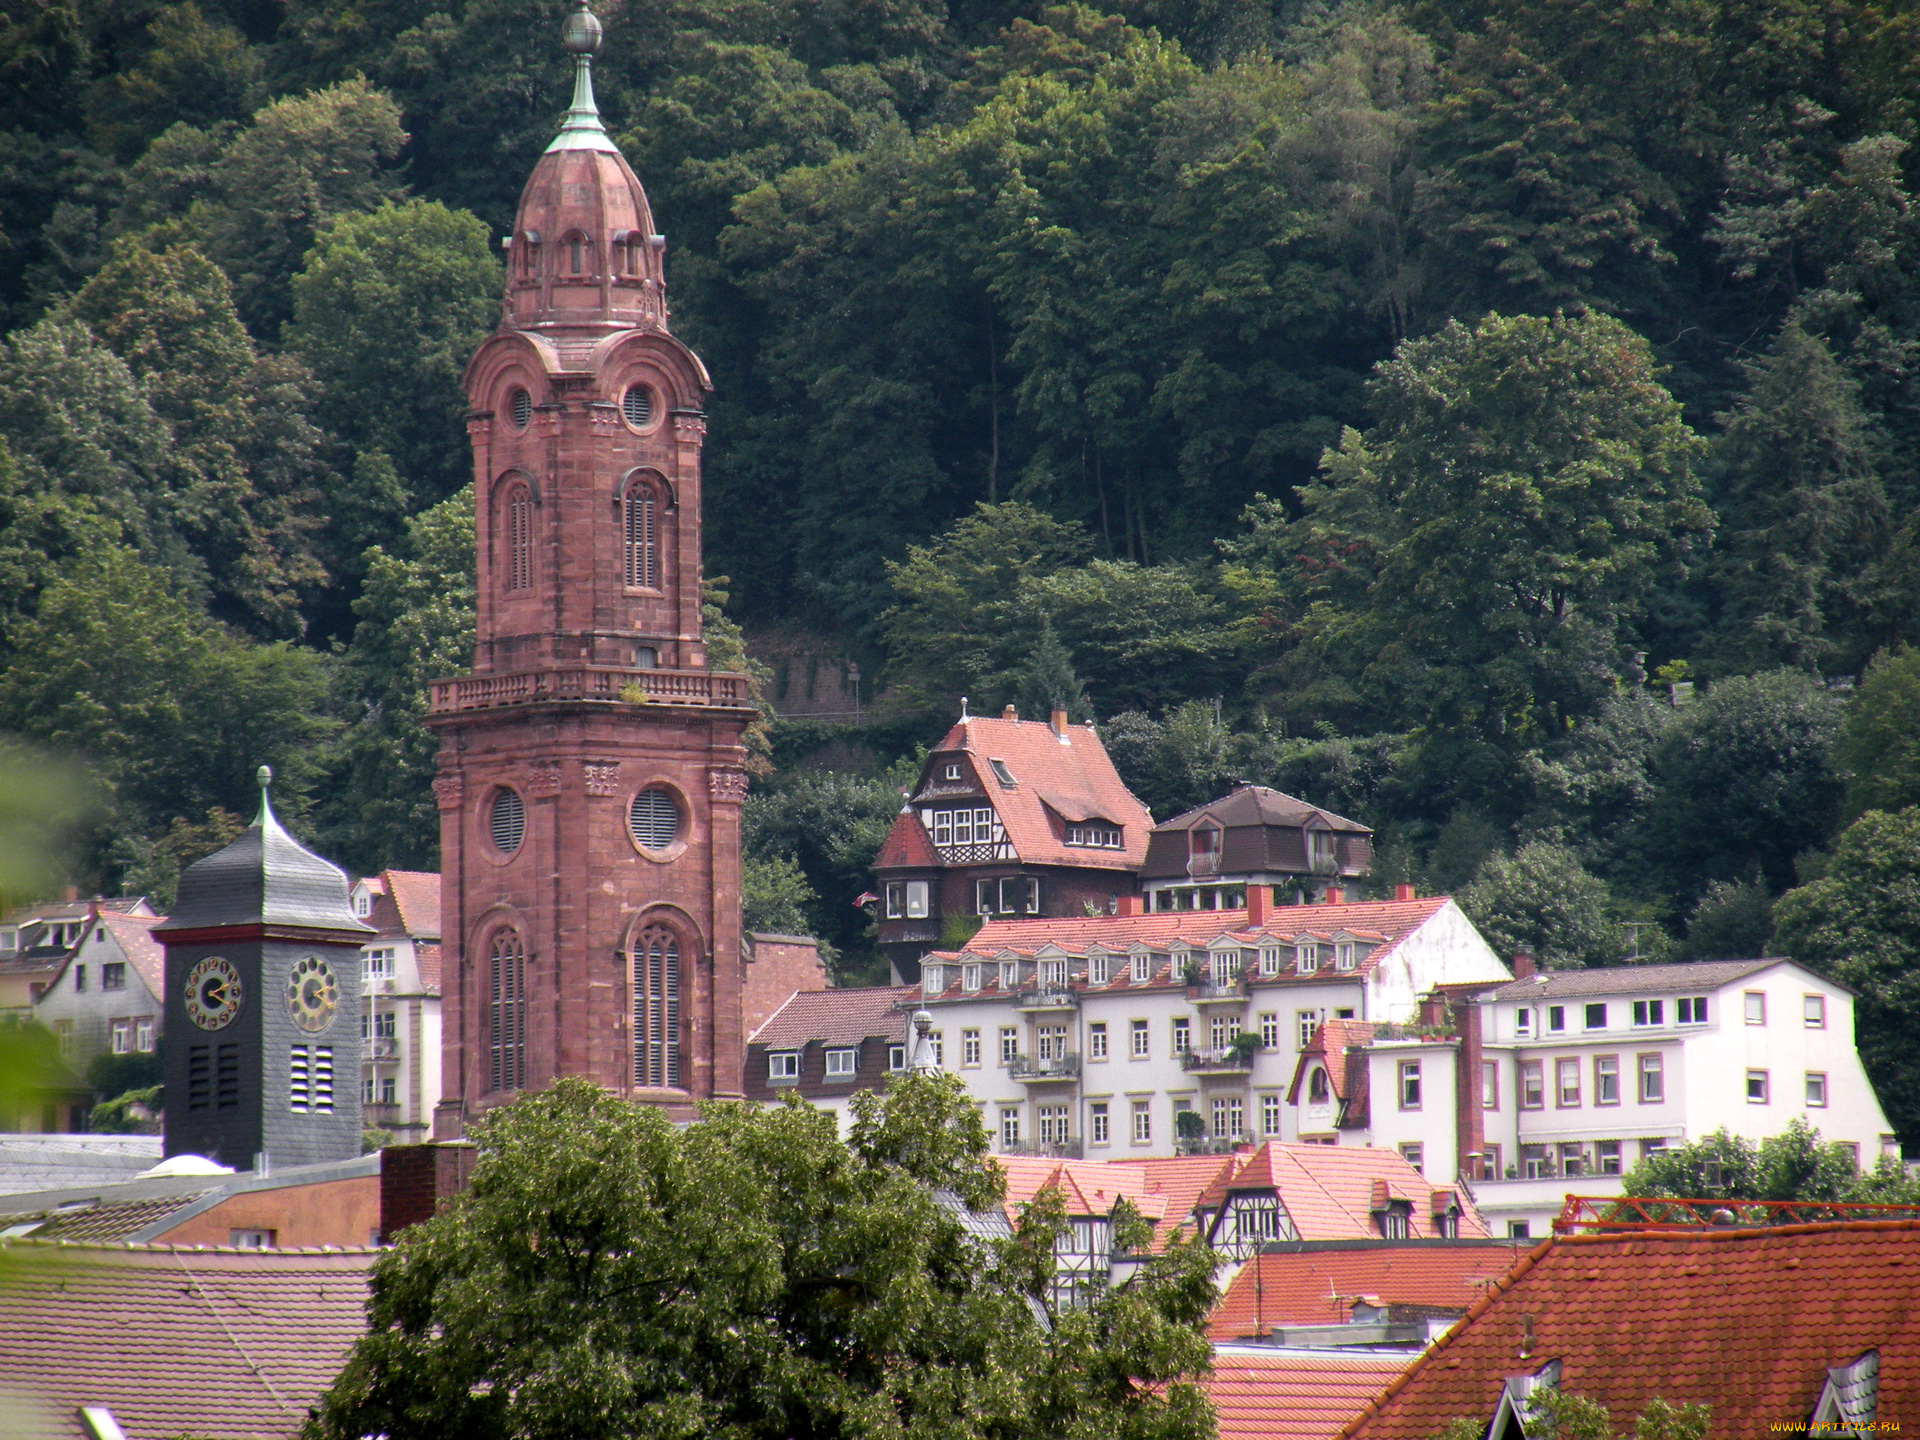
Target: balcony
606 683
1218 992
1212 1144
1046 1068
383 1047
1052 1149
1228 1060
1047 997
380 1117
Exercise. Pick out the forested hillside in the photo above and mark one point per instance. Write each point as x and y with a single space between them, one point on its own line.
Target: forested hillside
1494 419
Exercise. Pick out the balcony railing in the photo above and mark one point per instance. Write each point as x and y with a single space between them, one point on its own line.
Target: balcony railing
380 1116
1201 991
1055 1149
1227 1060
1047 1067
586 682
383 1047
1211 1144
1046 997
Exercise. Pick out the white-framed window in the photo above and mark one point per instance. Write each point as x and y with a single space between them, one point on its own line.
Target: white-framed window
1566 1089
952 771
1009 1044
1606 1155
1306 956
1220 1031
1019 894
1523 1020
362 905
783 1065
1100 837
1319 1089
1180 965
972 826
1097 1133
1653 1080
1606 1079
1346 955
1817 1089
1270 1114
1009 974
250 1239
1269 960
1142 1040
1489 1085
1053 973
985 893
1182 1034
896 899
1306 1024
1756 1003
896 1059
842 1064
970 978
1813 1010
933 979
1052 1121
1229 1116
1143 1122
1649 1012
1596 1016
1758 1092
1009 1126
120 1036
917 899
1142 971
143 1034
970 1048
937 1041
380 962
1099 968
1097 1040
1409 1084
1414 1153
1269 1029
1533 1087
1692 1009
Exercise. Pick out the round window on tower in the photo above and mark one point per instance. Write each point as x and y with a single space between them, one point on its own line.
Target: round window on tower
637 406
506 820
654 819
520 409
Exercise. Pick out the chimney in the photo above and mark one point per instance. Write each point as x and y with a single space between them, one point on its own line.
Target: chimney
1432 1010
1059 720
1129 905
1469 1107
1336 896
1523 966
1405 892
1012 712
70 893
1259 901
416 1180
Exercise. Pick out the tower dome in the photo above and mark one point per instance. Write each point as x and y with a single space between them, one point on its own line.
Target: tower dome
583 254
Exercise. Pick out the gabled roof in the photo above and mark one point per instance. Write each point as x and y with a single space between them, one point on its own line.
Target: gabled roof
1634 979
174 1341
134 935
1178 1183
1268 1394
907 846
1747 1321
1058 778
836 1017
1257 805
1303 1283
1331 1191
414 898
1328 1048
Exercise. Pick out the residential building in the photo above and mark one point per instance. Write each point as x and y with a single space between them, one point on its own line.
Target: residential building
1326 1291
34 940
400 983
1766 1326
591 764
1114 1036
1206 858
1009 817
105 997
827 1045
1563 1080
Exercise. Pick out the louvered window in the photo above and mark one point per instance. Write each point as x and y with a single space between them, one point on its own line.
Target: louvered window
310 1080
654 819
642 536
519 538
507 820
637 406
506 1013
656 1008
520 407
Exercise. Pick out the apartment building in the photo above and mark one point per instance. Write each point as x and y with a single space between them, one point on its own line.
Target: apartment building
105 998
400 978
1208 857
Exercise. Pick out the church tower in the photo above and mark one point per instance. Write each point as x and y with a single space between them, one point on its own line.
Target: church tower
262 1002
590 768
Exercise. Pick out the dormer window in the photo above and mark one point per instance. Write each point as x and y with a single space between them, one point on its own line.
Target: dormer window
1346 955
1142 968
1053 973
1009 974
1395 1222
1181 962
933 980
1318 1091
1203 841
1094 835
953 772
1270 960
1306 956
1320 851
970 978
1099 968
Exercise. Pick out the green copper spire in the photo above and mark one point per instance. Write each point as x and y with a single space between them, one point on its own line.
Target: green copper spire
581 129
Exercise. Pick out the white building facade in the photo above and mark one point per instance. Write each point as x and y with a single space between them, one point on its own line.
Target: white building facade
400 970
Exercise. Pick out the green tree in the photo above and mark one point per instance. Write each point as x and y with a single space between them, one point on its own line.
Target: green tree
1860 924
1879 745
775 897
387 308
1793 1165
195 70
752 1275
1731 922
1542 901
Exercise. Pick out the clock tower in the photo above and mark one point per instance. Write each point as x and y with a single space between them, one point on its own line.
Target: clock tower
262 1001
591 768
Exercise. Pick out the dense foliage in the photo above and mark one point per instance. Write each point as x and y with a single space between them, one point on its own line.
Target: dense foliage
751 1275
1496 420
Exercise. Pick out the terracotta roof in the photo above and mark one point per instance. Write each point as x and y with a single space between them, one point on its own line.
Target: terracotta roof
907 846
1161 1190
134 935
114 1219
175 1341
1331 1191
415 897
1316 1284
426 958
1068 775
1257 805
1329 1048
1641 979
1262 1394
835 1017
1178 1182
1746 1321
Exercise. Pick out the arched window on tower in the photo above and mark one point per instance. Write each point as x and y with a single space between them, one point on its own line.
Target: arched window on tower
530 253
656 1007
506 1012
517 508
640 534
578 256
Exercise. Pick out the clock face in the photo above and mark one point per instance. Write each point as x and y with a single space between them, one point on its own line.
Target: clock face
313 994
213 993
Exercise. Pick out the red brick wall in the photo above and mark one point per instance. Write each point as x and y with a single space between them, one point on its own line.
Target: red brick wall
415 1180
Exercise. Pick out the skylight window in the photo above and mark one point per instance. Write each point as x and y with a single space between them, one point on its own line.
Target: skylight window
1002 773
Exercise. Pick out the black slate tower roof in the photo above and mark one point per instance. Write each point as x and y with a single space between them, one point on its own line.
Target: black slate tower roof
265 877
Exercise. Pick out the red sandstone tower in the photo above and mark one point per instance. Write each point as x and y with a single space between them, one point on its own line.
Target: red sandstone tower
591 766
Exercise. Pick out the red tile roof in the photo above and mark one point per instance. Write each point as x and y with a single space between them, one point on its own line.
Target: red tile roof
134 935
407 903
836 1017
1746 1321
1329 1047
907 846
173 1341
1286 1395
1318 1286
1057 778
1331 1191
